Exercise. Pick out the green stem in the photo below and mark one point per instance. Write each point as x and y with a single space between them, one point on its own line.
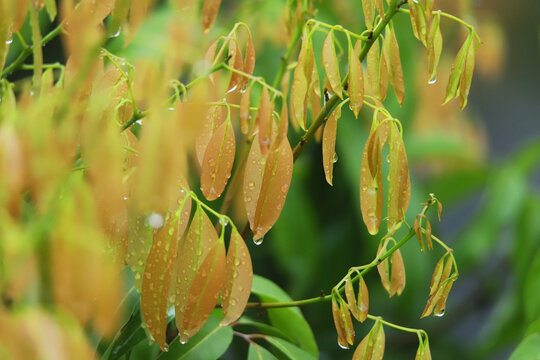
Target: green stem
27 51
329 106
320 299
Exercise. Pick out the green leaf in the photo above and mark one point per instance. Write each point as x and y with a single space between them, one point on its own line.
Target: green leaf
130 335
209 343
289 350
528 349
452 89
261 327
257 352
289 320
532 289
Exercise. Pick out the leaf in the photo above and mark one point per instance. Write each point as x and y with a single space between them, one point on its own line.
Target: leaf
398 273
418 21
356 79
235 55
368 7
423 352
245 114
283 125
436 277
466 77
339 323
200 239
399 184
377 75
266 183
290 351
300 86
331 64
384 271
528 348
215 116
371 187
329 144
531 288
264 122
380 8
347 322
238 279
218 161
289 320
157 278
434 47
130 335
351 298
257 352
205 290
437 302
261 327
209 14
210 58
372 345
428 235
457 69
50 5
395 71
418 232
249 62
363 300
208 344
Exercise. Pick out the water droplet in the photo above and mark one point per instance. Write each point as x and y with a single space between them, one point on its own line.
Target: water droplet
335 158
137 276
258 241
440 313
155 220
115 34
9 41
432 81
224 221
284 188
184 337
171 108
232 89
165 347
251 185
388 159
342 346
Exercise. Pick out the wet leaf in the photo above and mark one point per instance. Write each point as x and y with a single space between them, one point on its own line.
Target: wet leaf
454 81
245 114
209 14
331 64
418 231
434 47
439 209
398 273
266 183
377 72
356 79
428 235
371 187
372 345
215 116
363 300
347 321
369 12
205 290
418 21
238 279
466 77
436 277
399 185
351 298
249 58
235 54
329 144
264 122
437 302
200 239
423 352
384 271
218 161
395 71
339 324
300 87
283 125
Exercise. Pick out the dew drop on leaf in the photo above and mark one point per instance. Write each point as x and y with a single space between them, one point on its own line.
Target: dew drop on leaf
258 241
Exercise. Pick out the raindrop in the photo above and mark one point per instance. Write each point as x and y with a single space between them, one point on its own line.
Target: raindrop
232 89
335 158
342 346
171 108
224 221
115 34
258 241
9 41
388 159
155 221
432 81
184 338
284 188
139 122
440 313
251 185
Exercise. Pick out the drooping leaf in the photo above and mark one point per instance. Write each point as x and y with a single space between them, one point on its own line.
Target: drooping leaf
356 79
289 320
368 6
434 47
351 298
437 302
249 58
209 343
395 71
377 72
209 14
347 322
289 351
452 89
528 348
218 161
339 323
329 144
380 8
237 80
238 279
399 185
466 77
200 239
300 86
372 345
205 290
264 122
257 352
398 273
266 183
423 352
331 64
215 116
436 277
418 21
384 271
363 300
245 114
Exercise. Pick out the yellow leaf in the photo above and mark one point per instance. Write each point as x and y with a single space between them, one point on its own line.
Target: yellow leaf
218 161
329 144
266 183
356 79
209 14
371 187
200 239
331 64
399 185
205 290
398 273
466 77
363 300
380 8
418 21
458 68
434 47
394 62
339 324
215 116
235 54
245 102
369 12
238 279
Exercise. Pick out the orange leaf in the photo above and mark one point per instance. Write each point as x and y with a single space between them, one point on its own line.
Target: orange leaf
205 290
266 183
215 116
339 324
394 64
249 63
200 239
399 185
218 161
351 298
264 121
384 271
238 279
356 79
245 114
235 55
331 64
363 300
329 144
209 14
398 273
300 87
